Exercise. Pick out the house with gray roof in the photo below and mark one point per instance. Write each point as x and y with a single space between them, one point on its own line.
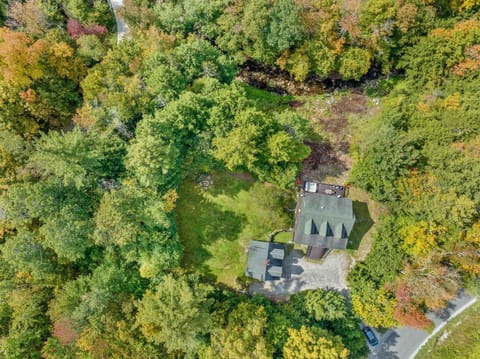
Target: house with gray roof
323 222
265 260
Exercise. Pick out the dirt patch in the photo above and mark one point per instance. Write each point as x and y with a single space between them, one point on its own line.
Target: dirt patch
336 125
354 103
330 116
296 103
322 154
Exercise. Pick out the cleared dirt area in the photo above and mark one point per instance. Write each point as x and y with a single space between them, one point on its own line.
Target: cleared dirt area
331 115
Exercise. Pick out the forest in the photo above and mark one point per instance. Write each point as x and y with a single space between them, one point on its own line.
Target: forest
97 139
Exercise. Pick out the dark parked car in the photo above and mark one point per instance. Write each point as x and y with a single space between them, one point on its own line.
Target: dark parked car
372 339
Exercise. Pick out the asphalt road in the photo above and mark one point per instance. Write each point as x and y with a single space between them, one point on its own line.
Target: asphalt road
403 343
122 28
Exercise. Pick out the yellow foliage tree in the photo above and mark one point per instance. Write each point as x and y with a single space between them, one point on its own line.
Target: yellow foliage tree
20 63
313 343
376 308
464 5
420 238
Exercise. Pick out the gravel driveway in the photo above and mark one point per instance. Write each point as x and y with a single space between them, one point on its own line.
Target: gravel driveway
300 275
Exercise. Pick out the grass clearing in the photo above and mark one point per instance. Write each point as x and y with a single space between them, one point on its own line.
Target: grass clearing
267 101
459 339
283 237
367 213
216 225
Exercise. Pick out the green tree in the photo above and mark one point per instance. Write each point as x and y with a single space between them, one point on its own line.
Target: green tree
115 84
29 259
176 314
254 24
325 304
348 329
286 27
77 158
89 12
258 144
169 72
354 63
135 222
189 16
14 151
91 302
91 47
29 324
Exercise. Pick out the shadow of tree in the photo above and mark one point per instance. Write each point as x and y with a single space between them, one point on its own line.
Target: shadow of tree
201 224
230 183
363 222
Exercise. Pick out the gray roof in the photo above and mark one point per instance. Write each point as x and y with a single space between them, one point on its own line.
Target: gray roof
264 262
324 221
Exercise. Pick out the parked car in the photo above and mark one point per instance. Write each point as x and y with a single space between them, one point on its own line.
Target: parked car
371 338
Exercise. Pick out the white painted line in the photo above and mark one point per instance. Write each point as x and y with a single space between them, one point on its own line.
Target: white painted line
437 329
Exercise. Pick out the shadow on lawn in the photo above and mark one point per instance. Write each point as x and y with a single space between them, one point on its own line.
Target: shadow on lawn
230 183
363 223
202 223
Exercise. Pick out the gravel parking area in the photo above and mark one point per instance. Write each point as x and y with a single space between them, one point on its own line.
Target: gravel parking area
300 275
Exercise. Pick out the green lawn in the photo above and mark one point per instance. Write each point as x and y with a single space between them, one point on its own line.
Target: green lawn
265 100
283 237
216 225
367 213
462 340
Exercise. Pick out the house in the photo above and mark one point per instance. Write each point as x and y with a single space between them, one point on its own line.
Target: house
265 260
323 219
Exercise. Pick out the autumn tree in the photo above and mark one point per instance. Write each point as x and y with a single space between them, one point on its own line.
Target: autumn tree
464 251
89 303
430 282
406 311
138 14
314 343
39 82
243 335
375 306
27 17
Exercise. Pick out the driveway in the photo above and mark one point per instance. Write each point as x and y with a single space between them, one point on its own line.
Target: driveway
300 275
404 343
122 28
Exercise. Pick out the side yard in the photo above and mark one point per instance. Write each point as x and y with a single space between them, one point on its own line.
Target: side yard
216 224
